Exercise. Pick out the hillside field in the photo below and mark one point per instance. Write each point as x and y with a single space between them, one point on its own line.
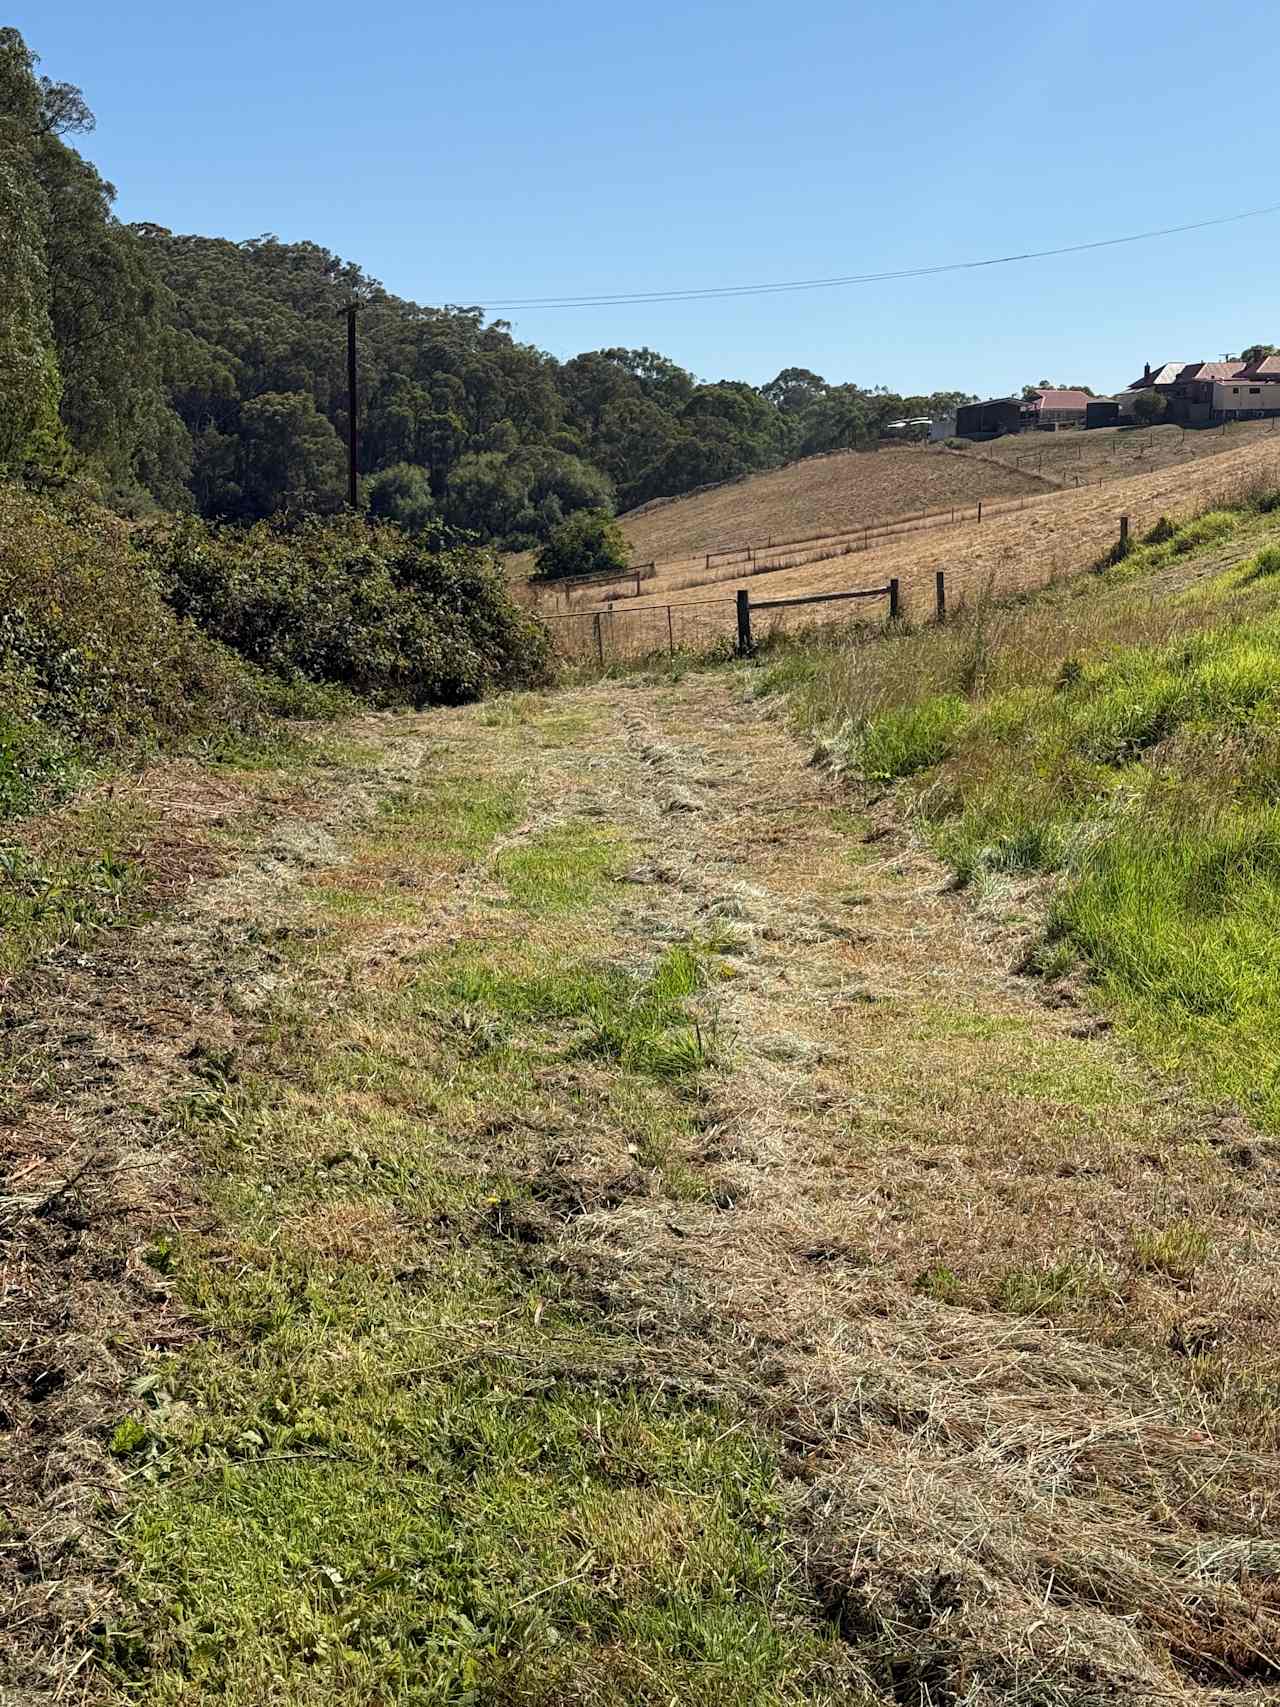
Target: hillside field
1059 533
821 494
1086 457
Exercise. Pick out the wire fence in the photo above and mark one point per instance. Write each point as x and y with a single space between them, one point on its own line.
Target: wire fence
703 627
735 563
634 633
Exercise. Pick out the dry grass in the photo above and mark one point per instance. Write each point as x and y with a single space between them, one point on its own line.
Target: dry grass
1056 536
819 495
1086 457
1002 1302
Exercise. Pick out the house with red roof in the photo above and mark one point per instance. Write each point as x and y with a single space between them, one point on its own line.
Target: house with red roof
1050 408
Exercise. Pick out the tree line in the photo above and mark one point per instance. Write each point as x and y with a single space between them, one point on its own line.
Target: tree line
197 373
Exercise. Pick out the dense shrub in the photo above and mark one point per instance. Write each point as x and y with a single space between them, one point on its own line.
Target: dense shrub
93 661
589 543
344 601
402 494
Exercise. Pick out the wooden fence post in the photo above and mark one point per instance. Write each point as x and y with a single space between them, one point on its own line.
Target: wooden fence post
979 509
744 623
895 603
1124 534
941 585
599 640
671 634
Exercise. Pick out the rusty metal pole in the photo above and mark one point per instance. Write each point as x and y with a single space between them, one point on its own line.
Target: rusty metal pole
353 448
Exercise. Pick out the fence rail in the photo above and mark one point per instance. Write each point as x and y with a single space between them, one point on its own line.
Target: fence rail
745 606
794 554
632 633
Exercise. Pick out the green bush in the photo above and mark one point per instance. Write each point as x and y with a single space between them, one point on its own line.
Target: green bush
92 659
402 494
360 605
589 543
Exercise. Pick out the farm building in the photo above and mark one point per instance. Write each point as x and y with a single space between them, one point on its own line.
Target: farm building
1102 412
1204 393
1235 400
1046 410
987 420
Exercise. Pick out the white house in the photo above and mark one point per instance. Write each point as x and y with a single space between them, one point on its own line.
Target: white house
1237 398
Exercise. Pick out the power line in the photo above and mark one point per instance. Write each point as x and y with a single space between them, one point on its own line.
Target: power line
714 292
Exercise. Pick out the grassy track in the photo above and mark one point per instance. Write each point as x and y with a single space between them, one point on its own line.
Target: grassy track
598 1220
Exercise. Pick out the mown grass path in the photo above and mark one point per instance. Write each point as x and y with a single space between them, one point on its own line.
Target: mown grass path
618 1231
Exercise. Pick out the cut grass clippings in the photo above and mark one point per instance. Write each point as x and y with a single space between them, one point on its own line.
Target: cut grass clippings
1145 776
397 1463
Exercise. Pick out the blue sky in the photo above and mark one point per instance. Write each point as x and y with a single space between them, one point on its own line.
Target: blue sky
467 153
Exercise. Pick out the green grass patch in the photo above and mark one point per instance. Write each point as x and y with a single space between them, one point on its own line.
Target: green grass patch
907 739
459 816
374 1508
563 869
640 1023
1131 749
1167 541
1178 919
1263 563
1049 1290
47 905
1176 1251
401 1463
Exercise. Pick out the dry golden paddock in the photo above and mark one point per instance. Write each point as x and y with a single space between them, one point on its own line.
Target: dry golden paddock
1057 533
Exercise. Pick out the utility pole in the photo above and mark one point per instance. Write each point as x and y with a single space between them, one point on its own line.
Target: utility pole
353 449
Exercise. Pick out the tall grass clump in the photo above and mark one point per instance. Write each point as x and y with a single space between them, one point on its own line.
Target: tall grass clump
1128 749
1179 921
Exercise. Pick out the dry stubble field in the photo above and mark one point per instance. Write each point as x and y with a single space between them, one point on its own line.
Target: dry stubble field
1115 454
1058 534
819 495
